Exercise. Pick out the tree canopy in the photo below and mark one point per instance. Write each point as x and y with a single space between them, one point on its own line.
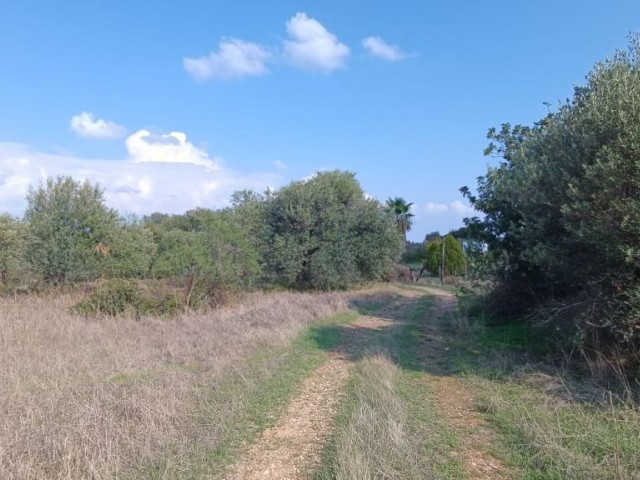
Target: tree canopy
562 208
401 210
325 233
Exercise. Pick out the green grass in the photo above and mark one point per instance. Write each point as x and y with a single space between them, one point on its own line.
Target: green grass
546 438
551 423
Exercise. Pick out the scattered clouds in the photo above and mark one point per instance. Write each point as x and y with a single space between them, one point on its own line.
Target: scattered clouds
146 147
309 46
87 125
144 182
456 208
280 165
234 59
461 209
377 47
436 207
312 47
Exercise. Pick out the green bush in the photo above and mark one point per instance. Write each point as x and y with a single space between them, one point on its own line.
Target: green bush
119 296
66 220
14 268
111 297
131 251
454 261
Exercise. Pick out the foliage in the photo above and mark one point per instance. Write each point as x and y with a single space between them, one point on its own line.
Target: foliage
118 296
110 298
67 220
414 253
399 207
562 209
479 262
454 258
324 233
131 250
433 236
213 256
14 269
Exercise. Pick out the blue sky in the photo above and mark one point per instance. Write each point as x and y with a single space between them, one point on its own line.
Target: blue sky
172 106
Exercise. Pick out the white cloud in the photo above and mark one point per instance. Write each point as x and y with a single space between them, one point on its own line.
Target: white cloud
280 165
234 59
379 48
456 207
146 147
311 46
432 207
87 125
130 186
460 208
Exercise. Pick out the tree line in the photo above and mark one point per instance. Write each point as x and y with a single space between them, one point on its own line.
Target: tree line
321 233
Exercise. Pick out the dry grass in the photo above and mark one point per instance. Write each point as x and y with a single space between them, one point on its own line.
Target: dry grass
114 397
374 440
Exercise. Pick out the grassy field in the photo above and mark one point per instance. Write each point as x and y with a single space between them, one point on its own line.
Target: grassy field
435 390
155 398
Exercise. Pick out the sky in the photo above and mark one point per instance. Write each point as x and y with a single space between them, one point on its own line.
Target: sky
171 106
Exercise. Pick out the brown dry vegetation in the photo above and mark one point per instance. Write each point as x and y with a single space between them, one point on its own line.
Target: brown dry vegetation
104 398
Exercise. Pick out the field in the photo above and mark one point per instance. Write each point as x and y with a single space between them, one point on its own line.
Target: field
397 382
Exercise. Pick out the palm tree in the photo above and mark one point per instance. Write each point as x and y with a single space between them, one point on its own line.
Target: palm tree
401 209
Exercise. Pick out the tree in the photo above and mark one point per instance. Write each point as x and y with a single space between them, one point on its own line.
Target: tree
66 221
454 259
212 255
432 236
402 212
562 209
324 233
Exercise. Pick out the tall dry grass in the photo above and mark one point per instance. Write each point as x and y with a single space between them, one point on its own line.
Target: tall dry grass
120 398
374 439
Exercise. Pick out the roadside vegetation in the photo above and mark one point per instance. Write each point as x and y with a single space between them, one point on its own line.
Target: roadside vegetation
556 418
562 215
153 398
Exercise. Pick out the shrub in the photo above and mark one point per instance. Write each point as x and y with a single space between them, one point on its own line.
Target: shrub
14 269
111 297
562 210
118 296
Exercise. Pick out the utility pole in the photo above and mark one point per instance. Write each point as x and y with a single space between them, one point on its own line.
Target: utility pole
442 263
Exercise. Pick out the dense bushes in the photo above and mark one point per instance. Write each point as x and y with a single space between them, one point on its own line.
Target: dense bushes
322 233
563 210
117 296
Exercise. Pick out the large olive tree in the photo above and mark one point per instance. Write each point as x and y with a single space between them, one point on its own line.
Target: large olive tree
325 233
